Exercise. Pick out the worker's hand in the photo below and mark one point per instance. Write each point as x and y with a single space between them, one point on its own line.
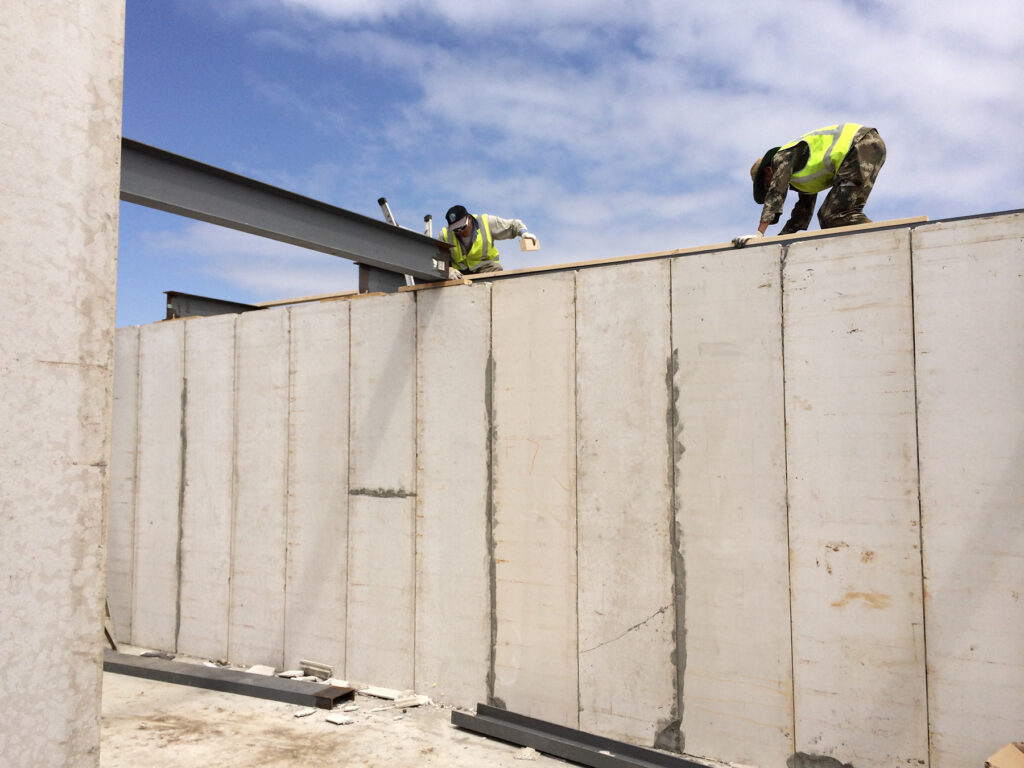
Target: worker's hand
528 242
526 234
454 274
743 240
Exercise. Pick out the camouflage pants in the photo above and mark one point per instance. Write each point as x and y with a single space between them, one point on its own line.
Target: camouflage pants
486 265
844 204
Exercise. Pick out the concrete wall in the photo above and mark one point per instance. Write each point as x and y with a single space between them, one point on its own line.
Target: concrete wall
749 505
59 151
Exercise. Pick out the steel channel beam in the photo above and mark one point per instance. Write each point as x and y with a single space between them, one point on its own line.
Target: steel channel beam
567 743
159 179
299 692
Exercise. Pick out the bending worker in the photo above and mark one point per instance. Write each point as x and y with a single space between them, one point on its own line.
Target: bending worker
845 157
472 239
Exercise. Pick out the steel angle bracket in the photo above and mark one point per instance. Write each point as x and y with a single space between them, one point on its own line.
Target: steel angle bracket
299 692
567 743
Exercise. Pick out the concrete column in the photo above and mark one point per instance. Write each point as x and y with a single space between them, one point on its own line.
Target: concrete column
969 318
453 550
858 633
59 150
737 698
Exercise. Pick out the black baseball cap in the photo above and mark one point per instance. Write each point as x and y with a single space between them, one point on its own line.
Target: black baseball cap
455 216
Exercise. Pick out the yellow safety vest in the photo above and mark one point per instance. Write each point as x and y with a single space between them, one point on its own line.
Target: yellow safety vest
828 150
482 248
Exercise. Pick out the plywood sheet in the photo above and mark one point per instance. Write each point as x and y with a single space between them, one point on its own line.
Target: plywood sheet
628 687
969 321
534 471
382 477
208 494
318 486
158 503
858 640
453 547
261 456
121 515
731 505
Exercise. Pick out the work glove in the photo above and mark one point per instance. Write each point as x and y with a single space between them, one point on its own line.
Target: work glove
743 240
454 274
528 241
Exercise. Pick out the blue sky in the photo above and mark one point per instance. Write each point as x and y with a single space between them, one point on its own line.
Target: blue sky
610 128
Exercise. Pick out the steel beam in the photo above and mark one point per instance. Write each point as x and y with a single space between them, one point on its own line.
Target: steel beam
189 305
304 693
159 179
567 743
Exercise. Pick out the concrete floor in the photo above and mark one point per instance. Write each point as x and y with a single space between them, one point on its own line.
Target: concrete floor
163 725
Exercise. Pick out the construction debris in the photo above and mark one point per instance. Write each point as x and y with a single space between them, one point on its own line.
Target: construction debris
338 718
316 669
305 712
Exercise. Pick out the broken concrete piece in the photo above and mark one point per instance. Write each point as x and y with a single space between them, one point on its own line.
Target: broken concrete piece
339 719
261 669
316 669
290 673
350 708
526 753
382 693
305 711
407 701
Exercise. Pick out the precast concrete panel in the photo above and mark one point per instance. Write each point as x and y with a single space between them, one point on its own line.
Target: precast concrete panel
121 514
256 632
159 485
382 492
208 494
534 471
858 641
317 485
730 480
627 620
969 323
453 548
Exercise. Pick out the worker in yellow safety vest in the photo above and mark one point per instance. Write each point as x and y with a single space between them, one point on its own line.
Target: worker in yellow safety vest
845 159
472 239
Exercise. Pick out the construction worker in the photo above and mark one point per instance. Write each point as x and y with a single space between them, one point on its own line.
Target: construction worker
472 239
845 157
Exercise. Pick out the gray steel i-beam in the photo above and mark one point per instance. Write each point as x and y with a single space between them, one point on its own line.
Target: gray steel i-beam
567 743
159 179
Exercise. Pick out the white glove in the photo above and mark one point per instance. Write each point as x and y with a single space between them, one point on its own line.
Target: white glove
743 240
527 242
454 274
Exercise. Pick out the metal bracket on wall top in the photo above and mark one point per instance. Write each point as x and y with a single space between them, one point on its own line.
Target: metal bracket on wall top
567 743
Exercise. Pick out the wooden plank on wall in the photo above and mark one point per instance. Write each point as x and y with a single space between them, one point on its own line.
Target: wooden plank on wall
382 488
158 489
208 494
453 551
317 563
534 343
731 506
858 640
121 515
969 321
627 620
261 456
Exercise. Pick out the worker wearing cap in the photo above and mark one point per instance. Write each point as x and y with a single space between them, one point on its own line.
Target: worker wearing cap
472 239
845 158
